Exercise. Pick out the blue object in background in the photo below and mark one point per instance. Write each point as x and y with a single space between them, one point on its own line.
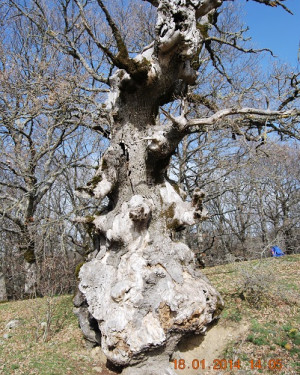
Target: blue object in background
276 251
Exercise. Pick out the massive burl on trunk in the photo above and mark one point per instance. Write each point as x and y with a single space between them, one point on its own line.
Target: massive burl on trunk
141 292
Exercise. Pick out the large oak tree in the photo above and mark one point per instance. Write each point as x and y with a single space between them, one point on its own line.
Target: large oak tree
140 291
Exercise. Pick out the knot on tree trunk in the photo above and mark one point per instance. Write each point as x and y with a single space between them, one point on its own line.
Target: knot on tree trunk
179 213
197 202
130 225
106 176
156 141
115 83
139 210
176 26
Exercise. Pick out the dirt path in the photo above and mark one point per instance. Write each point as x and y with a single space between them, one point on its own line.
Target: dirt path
208 347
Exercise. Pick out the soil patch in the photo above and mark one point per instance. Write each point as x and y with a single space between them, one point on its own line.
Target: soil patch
207 347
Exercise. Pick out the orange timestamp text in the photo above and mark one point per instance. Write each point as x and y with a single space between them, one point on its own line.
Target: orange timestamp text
228 364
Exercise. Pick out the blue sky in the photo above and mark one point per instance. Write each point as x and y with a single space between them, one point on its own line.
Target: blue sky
274 28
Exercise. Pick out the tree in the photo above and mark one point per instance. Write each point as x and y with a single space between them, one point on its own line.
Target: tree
42 136
278 181
140 290
252 198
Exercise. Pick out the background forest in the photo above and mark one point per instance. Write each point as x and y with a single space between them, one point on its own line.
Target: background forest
53 131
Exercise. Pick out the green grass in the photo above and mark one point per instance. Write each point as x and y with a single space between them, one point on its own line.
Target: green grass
272 334
273 326
25 352
271 310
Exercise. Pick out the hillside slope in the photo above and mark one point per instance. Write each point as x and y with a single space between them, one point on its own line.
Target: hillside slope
258 330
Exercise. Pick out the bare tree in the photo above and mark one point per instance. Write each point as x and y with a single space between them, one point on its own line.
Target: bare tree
254 206
277 186
141 291
42 135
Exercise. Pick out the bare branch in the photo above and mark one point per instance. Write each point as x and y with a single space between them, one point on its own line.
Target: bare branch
242 111
15 220
295 83
239 48
123 53
13 186
201 99
90 32
274 3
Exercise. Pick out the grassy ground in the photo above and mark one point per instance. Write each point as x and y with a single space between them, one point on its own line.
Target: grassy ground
262 294
265 295
31 351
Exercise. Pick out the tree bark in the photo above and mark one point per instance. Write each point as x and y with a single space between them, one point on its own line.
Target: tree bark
3 294
141 292
27 247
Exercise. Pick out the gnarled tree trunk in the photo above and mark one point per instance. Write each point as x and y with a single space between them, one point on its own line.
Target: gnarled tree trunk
141 292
